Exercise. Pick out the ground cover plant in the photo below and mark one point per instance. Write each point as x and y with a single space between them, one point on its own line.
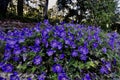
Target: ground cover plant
61 52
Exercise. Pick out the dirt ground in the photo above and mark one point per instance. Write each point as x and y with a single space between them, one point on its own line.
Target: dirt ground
15 24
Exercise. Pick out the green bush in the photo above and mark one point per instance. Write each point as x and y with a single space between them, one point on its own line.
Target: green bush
65 51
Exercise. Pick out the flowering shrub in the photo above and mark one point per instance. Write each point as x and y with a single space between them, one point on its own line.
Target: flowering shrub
61 52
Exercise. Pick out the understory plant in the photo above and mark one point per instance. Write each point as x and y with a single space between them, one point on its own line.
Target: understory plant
61 52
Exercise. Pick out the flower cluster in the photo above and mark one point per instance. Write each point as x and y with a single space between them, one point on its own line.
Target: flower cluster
64 52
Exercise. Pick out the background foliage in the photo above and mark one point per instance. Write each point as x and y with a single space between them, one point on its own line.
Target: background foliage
98 12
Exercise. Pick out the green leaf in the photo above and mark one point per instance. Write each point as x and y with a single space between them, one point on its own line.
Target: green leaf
79 64
90 64
22 67
53 77
33 69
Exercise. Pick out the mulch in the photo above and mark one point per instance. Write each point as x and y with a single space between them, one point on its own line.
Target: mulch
10 24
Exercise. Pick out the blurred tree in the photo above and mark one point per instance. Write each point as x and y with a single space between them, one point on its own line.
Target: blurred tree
12 7
3 7
45 10
20 7
97 12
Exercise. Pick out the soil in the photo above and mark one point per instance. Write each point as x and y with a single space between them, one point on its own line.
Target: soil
10 24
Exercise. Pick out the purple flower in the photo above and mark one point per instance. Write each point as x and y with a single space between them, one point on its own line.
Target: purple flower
111 42
21 39
44 33
72 44
50 52
17 51
17 46
56 33
46 22
7 55
103 70
7 48
35 48
74 54
14 77
1 78
60 45
83 57
7 68
62 56
55 59
54 44
62 76
37 60
104 50
24 49
28 32
114 61
16 58
95 45
42 76
89 37
29 78
44 41
37 27
57 68
11 42
86 77
96 36
67 41
83 50
80 34
15 73
71 36
63 34
2 64
108 65
37 41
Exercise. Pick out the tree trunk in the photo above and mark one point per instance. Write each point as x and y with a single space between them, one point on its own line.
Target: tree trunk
46 10
20 7
3 7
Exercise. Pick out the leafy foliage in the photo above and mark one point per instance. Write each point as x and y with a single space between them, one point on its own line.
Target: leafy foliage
97 12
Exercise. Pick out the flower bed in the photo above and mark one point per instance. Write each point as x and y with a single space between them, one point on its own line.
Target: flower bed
61 52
